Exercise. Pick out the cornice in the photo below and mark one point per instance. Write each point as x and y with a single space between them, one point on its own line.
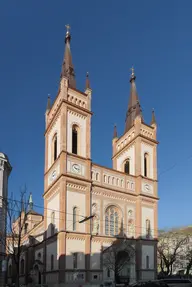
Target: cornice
125 148
75 236
76 186
113 196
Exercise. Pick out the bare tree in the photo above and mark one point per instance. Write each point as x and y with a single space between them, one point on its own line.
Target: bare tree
120 254
16 224
170 247
188 256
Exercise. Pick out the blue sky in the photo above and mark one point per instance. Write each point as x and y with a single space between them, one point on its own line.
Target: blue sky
107 39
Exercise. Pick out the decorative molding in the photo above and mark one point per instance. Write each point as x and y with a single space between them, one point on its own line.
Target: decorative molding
111 195
76 114
122 151
76 186
52 193
148 201
147 143
76 237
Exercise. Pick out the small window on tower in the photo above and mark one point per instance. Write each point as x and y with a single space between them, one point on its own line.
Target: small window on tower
55 147
74 139
127 166
146 164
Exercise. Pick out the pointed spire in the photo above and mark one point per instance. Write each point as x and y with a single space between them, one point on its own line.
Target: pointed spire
153 120
87 83
115 132
48 104
67 66
30 202
134 108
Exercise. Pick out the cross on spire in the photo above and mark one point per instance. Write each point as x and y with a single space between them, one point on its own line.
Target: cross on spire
134 108
67 66
68 27
132 71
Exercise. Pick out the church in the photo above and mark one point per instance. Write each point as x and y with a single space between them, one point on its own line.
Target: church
92 212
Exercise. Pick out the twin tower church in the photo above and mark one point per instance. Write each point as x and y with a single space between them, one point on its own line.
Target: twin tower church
91 210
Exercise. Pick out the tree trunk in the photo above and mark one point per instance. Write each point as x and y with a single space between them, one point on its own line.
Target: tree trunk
189 267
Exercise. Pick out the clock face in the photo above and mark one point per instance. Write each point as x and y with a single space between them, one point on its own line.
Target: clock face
147 187
76 168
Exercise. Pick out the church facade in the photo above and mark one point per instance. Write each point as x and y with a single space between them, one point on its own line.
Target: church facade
89 207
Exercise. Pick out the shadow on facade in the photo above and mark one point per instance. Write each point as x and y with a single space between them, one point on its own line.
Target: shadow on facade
40 264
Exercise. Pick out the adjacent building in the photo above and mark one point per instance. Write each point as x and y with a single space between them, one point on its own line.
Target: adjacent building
88 207
5 169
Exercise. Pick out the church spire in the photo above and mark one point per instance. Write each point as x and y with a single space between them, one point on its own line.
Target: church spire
153 120
67 66
115 132
134 108
87 82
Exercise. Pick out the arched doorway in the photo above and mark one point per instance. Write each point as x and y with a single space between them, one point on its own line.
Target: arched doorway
37 273
122 267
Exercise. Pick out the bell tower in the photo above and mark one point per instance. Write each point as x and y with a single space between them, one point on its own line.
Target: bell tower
67 179
135 153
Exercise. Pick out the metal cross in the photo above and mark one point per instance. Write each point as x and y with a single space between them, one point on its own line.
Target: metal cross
132 69
67 27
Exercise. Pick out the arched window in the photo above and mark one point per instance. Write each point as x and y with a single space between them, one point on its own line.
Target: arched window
39 255
146 164
74 139
74 218
147 262
52 223
148 227
127 166
112 221
75 260
97 176
52 261
22 266
108 272
54 148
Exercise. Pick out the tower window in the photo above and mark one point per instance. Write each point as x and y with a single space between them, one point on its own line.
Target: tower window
52 261
148 228
74 139
147 262
127 166
54 147
146 164
52 223
74 218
